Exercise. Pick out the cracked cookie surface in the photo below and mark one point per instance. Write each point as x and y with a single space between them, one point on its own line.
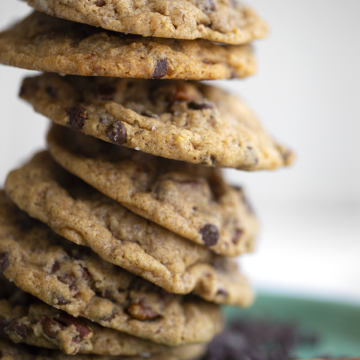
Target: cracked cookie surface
11 351
224 21
175 119
24 319
190 200
43 43
83 215
74 279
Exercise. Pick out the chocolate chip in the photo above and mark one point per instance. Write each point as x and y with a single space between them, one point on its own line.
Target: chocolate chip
210 234
100 3
237 236
107 294
4 261
116 133
109 318
51 328
55 267
161 69
68 320
106 92
201 105
222 292
77 116
62 301
141 312
69 280
85 272
18 328
51 91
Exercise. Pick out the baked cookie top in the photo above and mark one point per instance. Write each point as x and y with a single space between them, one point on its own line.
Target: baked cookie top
74 279
81 214
11 351
175 119
24 319
43 43
190 200
224 21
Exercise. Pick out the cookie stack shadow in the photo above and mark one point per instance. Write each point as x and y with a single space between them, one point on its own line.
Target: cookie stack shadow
118 241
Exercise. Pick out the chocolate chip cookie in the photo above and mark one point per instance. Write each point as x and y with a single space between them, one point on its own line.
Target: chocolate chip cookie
11 351
43 43
74 279
81 214
225 21
191 200
24 319
179 120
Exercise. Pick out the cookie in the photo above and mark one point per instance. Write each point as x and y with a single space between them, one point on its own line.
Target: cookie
175 119
43 43
71 207
23 319
190 200
74 279
10 351
224 21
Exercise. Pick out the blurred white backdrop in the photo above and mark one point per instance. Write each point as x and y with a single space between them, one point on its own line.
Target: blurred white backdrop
307 94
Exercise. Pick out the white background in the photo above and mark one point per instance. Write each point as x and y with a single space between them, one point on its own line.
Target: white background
307 94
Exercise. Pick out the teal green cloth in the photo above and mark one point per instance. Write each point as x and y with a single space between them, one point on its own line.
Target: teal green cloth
337 324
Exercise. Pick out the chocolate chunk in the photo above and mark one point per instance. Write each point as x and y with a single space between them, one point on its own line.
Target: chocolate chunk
85 272
69 280
100 3
51 327
116 133
68 320
4 261
18 328
210 234
107 294
237 235
55 267
161 69
109 318
106 92
77 116
201 105
62 301
51 91
222 292
141 312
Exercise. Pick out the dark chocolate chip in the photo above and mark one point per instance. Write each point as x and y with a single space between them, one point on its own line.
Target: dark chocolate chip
69 280
106 92
237 236
109 318
100 3
107 294
116 133
210 234
51 91
68 320
51 327
18 328
55 267
201 105
4 261
62 301
85 272
161 69
77 116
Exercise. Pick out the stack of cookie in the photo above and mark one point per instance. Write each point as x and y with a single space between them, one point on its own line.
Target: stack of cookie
125 227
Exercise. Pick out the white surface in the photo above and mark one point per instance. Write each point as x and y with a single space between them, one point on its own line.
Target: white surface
307 94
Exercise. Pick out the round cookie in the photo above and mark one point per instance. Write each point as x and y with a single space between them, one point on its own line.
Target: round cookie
175 119
71 207
43 43
224 21
74 279
23 319
11 351
190 200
